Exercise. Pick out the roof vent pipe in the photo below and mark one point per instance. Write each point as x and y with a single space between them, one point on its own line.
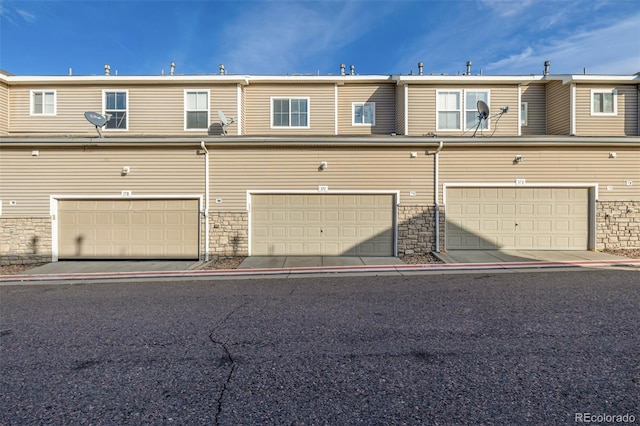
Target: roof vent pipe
222 69
342 67
107 69
420 67
546 67
468 67
353 69
173 68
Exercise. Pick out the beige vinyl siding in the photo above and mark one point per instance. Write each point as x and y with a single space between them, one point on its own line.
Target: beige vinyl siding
535 97
423 110
558 108
234 171
152 109
4 109
384 98
86 170
551 165
400 112
321 108
624 123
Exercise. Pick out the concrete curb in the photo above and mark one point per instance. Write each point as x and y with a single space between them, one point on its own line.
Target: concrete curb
400 269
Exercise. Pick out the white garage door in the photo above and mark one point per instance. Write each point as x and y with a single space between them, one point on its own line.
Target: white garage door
327 225
517 218
128 229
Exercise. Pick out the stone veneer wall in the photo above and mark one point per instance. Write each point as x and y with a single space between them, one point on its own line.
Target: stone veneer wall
416 230
618 225
228 234
25 240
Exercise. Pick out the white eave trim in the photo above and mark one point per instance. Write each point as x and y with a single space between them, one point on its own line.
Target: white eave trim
587 78
467 79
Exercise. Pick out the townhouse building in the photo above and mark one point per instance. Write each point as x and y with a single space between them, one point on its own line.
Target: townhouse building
206 166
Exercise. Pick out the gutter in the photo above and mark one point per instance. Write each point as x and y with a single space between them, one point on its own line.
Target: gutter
324 141
206 200
436 196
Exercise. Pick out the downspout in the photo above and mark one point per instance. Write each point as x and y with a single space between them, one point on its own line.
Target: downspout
436 172
206 200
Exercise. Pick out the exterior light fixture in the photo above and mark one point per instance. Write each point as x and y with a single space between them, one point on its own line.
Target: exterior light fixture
613 155
518 159
125 170
323 165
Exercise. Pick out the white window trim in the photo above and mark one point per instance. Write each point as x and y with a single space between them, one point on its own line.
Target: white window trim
353 113
104 108
613 92
524 118
31 105
208 92
463 108
460 111
289 98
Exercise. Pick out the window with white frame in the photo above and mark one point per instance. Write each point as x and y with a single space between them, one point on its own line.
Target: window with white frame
196 110
471 108
458 109
604 102
43 102
524 111
449 116
364 113
290 112
115 108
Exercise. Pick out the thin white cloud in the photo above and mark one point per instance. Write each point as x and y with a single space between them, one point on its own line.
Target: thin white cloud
610 50
506 8
29 17
281 37
15 15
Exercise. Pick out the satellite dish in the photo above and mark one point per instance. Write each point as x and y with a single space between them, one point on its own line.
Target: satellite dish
483 114
224 122
96 119
483 110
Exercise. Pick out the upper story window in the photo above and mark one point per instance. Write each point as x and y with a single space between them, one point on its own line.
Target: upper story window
290 112
115 108
457 109
604 102
43 102
524 111
196 110
364 113
448 116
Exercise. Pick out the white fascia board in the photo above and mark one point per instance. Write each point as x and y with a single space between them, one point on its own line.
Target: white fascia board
467 79
339 79
123 79
586 78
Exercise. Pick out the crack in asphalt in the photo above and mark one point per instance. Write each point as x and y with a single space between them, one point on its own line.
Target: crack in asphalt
226 359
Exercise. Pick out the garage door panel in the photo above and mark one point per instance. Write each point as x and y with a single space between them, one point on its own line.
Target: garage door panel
334 224
528 218
128 228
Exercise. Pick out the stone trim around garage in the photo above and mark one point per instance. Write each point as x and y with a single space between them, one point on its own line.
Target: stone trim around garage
617 225
228 234
25 240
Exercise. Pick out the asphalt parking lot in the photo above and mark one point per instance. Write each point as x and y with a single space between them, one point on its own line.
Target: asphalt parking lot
478 348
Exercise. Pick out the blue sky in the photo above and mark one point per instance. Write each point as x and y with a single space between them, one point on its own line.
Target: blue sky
142 37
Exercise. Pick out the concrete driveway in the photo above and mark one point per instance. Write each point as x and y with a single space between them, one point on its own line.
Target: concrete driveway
510 256
285 262
102 266
270 262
